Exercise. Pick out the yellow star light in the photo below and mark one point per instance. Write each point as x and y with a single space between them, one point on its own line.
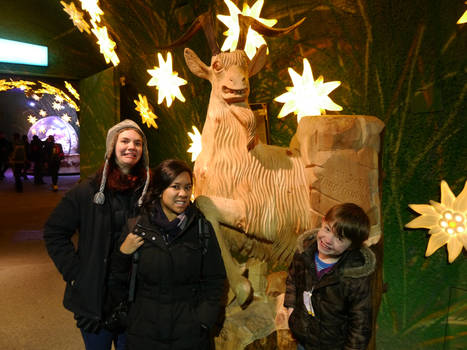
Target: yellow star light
93 9
106 45
76 16
57 106
33 131
42 130
42 113
72 90
463 18
166 81
32 119
77 123
147 116
254 39
65 117
307 96
35 97
446 221
5 85
195 145
21 84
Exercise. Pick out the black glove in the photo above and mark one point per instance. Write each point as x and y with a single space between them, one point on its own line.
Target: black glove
88 325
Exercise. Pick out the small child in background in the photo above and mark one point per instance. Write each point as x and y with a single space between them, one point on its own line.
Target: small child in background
328 293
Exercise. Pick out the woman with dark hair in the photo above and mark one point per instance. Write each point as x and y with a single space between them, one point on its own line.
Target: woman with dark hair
98 209
180 276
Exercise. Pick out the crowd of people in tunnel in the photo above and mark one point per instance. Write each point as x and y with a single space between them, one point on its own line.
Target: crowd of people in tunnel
44 157
147 271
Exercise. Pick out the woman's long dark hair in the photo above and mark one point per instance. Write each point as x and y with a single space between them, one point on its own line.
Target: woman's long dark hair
162 176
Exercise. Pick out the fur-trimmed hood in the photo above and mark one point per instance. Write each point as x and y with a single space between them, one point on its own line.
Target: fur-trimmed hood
308 239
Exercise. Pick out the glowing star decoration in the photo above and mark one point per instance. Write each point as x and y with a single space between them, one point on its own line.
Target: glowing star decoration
463 18
57 106
59 98
42 130
77 123
72 90
4 86
32 119
195 145
446 221
35 97
307 96
166 81
42 113
106 45
93 9
76 16
52 90
65 117
254 39
21 84
147 116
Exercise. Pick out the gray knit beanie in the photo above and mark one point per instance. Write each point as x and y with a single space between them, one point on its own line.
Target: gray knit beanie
112 134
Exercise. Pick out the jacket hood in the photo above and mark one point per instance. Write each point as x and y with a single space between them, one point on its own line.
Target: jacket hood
308 239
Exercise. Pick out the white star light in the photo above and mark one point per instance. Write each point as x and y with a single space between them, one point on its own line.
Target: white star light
307 97
166 81
254 39
195 145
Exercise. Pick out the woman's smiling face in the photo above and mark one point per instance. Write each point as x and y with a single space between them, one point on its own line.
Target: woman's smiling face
128 148
176 198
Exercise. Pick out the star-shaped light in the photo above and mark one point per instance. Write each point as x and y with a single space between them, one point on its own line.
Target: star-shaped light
446 221
107 45
22 84
147 116
307 96
76 16
72 90
195 145
33 131
254 39
42 130
463 18
42 113
4 85
65 117
57 106
77 123
166 81
52 90
32 119
59 98
36 97
93 9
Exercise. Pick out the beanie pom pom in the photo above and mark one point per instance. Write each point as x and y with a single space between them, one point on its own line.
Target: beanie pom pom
99 198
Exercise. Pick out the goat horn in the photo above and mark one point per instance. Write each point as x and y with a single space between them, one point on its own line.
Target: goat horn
245 22
202 21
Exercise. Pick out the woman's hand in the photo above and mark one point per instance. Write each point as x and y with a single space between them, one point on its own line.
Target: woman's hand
131 243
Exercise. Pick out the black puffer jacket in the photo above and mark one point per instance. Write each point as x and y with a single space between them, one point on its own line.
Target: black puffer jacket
341 299
84 269
178 288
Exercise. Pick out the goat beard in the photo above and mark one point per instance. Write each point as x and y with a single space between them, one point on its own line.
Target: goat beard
247 119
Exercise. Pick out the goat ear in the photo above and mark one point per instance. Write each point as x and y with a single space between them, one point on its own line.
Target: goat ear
258 61
196 66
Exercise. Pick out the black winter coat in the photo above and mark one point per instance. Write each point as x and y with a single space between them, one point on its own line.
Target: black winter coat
178 289
341 299
85 268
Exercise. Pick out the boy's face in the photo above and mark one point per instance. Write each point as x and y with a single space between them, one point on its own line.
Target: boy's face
329 245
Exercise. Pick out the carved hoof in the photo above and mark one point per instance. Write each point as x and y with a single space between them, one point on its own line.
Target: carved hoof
243 291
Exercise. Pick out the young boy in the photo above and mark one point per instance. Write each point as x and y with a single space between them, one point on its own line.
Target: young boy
328 293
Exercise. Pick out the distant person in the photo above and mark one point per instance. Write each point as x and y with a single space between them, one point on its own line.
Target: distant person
5 151
18 160
328 292
97 209
37 154
54 156
27 164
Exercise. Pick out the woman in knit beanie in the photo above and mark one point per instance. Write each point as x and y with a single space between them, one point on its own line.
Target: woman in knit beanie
98 209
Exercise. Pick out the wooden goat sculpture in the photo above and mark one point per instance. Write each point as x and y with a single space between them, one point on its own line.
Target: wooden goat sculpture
255 195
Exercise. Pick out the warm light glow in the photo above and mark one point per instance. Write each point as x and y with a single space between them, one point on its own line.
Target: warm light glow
42 113
166 81
77 123
92 7
22 53
59 98
35 97
195 145
76 16
307 97
106 45
147 116
42 129
72 90
254 39
57 106
32 119
463 18
52 90
446 221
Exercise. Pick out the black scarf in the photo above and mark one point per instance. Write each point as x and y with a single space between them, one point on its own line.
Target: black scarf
170 229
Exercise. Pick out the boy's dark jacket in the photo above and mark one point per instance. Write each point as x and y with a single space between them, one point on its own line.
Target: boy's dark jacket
341 299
